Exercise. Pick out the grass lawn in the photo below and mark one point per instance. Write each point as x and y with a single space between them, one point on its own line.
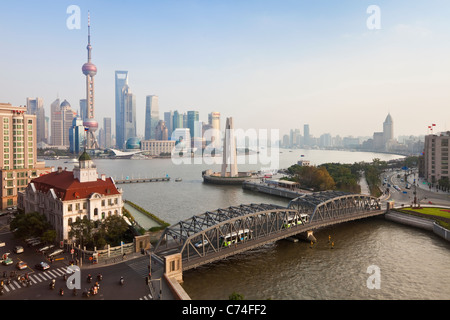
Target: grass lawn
439 212
441 215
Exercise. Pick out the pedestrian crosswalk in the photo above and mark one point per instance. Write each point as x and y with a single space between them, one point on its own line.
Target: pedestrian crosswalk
36 278
146 297
140 267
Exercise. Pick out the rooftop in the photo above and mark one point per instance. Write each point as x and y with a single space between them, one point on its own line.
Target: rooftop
66 187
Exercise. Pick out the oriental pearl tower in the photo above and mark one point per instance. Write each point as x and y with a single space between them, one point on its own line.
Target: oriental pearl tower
90 70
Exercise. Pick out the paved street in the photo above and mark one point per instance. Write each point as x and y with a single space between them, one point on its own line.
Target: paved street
405 196
134 272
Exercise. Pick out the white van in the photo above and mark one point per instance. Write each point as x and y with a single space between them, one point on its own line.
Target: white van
55 253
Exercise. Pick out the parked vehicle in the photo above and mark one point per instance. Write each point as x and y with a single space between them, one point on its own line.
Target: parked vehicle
55 253
45 248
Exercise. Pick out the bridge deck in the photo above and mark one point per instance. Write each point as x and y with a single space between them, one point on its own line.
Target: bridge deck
190 262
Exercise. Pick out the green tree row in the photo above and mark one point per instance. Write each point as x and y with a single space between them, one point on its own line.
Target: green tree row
112 230
337 176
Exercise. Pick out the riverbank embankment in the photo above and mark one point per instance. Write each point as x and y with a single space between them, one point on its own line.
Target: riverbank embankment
418 222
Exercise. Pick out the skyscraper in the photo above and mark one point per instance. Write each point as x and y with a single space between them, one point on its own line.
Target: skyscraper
388 129
168 119
121 80
83 109
76 135
161 132
151 116
36 107
177 121
107 132
90 70
193 123
306 137
214 122
61 122
129 118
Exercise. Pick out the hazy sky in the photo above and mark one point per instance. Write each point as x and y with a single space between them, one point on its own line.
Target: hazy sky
268 64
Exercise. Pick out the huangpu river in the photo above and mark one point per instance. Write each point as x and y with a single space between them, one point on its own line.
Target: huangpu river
409 263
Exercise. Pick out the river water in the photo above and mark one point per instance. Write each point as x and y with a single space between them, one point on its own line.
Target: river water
409 263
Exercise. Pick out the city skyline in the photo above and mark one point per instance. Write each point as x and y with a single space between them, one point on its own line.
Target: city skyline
268 64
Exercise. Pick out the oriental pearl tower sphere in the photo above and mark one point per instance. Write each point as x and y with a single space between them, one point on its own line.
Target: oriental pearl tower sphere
90 70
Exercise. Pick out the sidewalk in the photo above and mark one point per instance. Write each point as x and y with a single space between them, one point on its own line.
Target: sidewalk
420 184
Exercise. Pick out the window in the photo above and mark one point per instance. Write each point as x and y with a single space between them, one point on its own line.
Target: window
69 207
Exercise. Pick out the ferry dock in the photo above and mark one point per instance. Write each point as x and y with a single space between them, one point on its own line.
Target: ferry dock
280 188
141 180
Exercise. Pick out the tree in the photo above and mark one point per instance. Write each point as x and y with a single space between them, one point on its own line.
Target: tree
81 231
114 228
235 296
31 224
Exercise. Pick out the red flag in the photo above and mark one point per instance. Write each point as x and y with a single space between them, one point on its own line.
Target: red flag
434 125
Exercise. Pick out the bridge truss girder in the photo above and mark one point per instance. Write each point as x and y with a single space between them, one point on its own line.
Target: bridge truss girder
261 219
332 205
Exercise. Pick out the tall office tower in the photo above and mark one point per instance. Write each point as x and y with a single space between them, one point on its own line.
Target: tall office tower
90 70
107 132
168 119
388 129
436 152
61 122
36 107
306 136
214 120
18 153
83 109
55 125
76 135
177 121
129 119
185 121
47 126
121 80
151 116
161 132
193 123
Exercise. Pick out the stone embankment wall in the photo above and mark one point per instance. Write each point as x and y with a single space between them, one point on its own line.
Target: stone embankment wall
417 222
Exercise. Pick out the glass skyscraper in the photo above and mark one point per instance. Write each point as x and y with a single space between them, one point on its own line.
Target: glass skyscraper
76 135
151 116
193 124
121 80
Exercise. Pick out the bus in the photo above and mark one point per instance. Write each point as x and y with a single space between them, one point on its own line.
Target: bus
294 220
235 237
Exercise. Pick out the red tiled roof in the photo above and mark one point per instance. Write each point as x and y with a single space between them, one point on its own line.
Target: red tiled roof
68 188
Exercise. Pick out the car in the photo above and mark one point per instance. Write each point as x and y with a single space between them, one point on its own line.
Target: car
35 243
45 248
18 249
42 266
55 253
7 261
21 265
201 243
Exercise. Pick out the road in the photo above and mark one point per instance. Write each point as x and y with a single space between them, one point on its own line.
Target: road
405 196
134 272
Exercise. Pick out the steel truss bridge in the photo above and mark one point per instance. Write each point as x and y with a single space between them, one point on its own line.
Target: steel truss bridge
215 235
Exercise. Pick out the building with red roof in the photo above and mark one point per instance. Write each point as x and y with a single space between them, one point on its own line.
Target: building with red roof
64 196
